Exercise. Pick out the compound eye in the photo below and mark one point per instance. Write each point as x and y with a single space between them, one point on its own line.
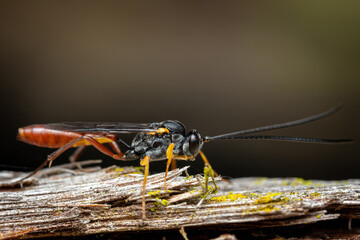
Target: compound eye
194 142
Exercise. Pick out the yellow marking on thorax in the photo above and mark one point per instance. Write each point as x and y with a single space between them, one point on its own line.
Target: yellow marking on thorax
160 131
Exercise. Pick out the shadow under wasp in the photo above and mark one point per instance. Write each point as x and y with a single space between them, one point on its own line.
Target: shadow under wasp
157 141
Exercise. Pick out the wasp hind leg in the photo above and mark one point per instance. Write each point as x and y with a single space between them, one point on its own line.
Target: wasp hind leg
76 154
115 146
118 155
50 159
58 152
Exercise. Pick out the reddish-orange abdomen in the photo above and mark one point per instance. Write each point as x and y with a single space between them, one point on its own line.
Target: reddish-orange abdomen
43 137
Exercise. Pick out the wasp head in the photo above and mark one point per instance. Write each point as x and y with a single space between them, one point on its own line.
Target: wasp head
192 144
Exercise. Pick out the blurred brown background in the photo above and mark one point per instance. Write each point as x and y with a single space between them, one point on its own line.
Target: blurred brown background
215 66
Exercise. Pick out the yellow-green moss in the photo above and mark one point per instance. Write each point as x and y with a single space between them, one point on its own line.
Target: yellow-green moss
161 202
188 177
119 169
271 197
229 197
267 208
154 193
164 202
315 194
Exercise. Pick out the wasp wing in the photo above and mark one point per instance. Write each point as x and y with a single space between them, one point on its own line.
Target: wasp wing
102 127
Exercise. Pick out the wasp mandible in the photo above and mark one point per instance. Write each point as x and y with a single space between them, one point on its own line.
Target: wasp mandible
158 141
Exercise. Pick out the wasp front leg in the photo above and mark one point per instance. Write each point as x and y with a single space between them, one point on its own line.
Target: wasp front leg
209 173
206 162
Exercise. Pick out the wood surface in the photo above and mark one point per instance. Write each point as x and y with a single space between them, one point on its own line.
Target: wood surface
77 200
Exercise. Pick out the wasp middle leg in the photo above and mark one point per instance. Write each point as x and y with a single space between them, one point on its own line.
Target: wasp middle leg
169 155
144 162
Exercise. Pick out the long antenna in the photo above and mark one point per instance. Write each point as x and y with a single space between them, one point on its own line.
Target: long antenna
288 139
237 135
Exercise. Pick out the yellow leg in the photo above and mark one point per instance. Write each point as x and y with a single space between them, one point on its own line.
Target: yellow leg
209 172
144 162
169 155
207 162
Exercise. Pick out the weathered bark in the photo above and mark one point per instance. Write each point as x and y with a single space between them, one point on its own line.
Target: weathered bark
80 203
